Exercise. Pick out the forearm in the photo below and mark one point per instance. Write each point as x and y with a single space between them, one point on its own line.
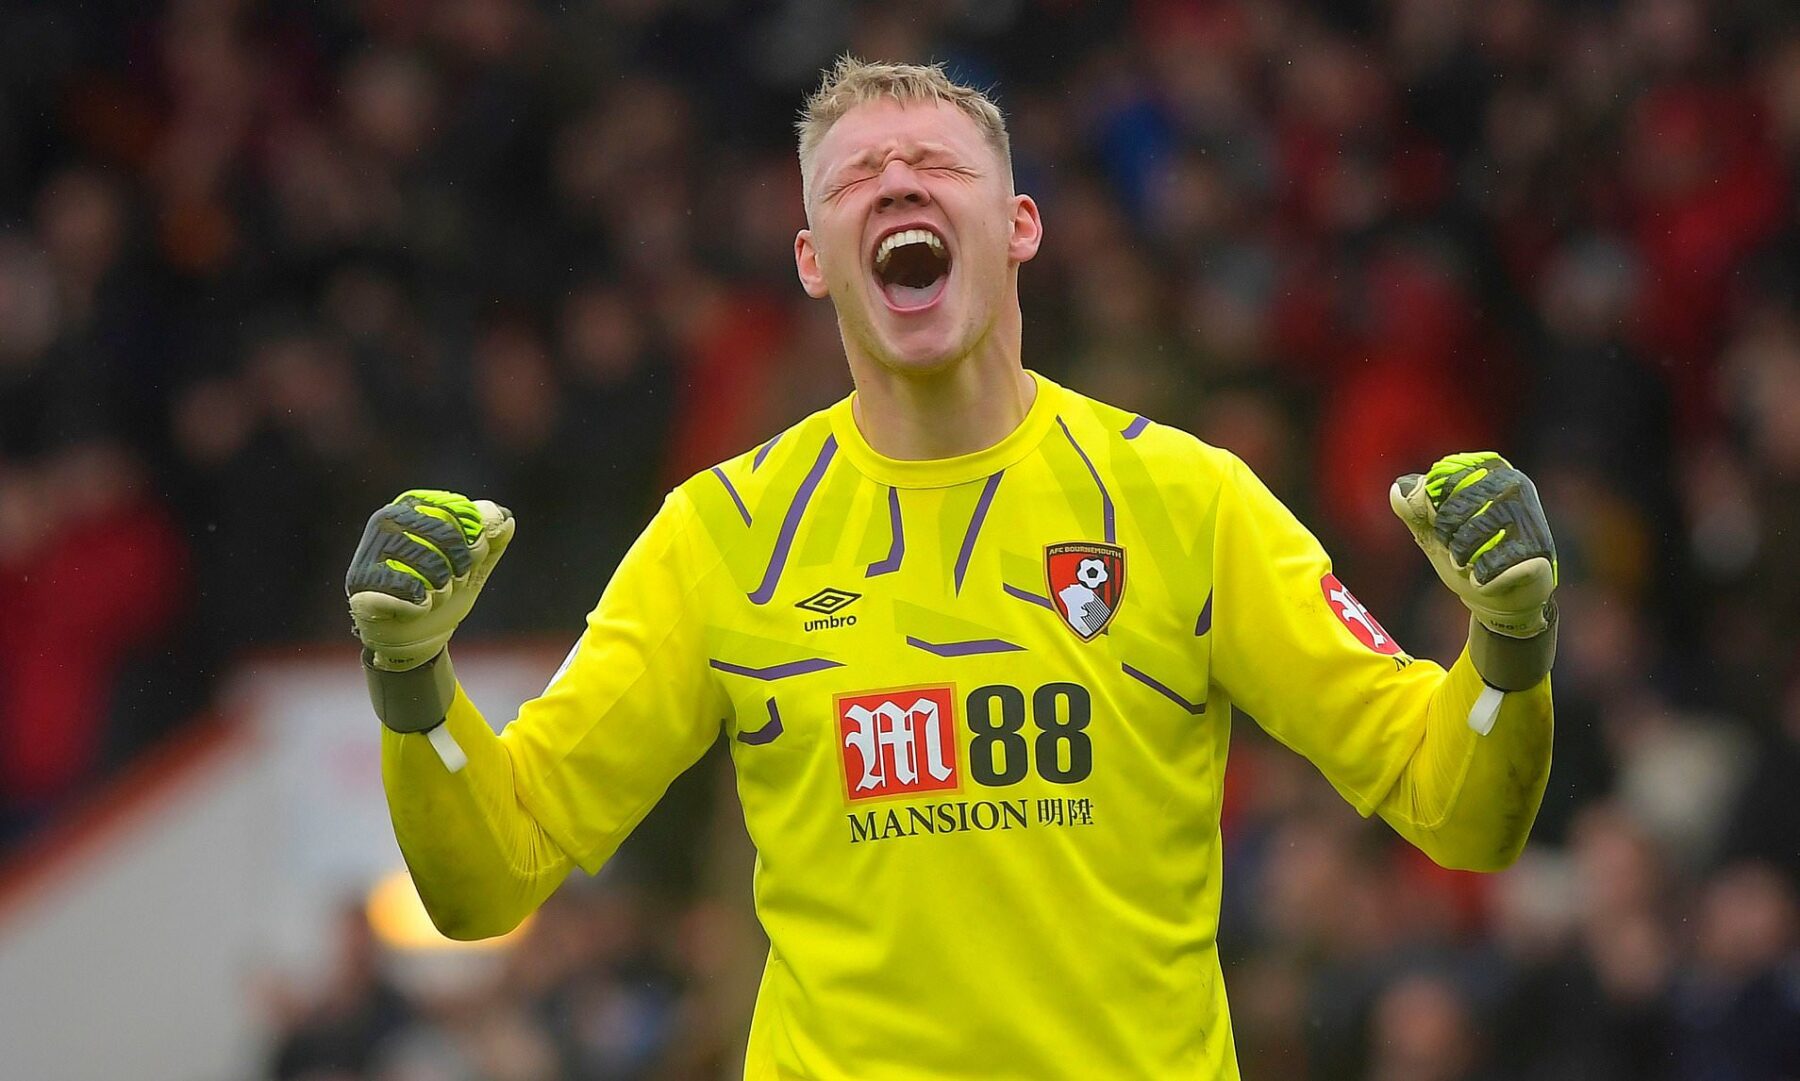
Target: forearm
1468 800
479 859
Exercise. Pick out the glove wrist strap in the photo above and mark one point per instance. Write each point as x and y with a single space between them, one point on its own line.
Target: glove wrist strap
415 700
1513 664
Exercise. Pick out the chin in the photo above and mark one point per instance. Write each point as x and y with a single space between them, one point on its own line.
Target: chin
927 342
920 352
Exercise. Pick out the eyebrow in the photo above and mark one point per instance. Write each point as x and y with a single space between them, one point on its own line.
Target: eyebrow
910 151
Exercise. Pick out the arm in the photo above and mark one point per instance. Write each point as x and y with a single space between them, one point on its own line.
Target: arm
568 779
1295 650
1465 799
480 860
1470 792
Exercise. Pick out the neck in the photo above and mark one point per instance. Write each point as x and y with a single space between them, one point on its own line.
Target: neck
967 405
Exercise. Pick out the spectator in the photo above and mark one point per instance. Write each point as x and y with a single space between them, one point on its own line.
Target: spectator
342 1030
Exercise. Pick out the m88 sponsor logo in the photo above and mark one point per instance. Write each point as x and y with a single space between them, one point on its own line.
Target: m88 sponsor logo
904 742
898 742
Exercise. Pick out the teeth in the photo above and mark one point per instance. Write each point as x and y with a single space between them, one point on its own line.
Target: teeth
904 237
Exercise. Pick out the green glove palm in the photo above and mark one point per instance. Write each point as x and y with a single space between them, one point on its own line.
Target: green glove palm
421 564
1480 523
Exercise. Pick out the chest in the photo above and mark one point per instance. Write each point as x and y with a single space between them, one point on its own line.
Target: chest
1008 648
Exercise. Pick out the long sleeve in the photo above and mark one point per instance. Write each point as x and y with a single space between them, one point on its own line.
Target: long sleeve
631 708
479 859
1295 650
1468 800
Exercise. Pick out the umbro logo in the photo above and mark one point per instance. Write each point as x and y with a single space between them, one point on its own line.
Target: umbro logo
828 602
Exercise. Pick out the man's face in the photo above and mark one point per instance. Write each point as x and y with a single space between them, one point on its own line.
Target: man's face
915 233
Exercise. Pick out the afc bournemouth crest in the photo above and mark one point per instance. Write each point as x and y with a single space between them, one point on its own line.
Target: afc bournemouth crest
1087 581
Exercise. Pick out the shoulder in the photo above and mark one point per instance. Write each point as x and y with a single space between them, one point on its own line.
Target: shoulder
1138 444
724 499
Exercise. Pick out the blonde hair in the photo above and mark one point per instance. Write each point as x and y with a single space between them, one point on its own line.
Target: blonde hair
852 82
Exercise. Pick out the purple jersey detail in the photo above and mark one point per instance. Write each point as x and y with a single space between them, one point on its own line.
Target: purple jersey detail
897 549
1204 623
1106 503
765 734
1194 708
1136 427
776 671
735 498
1028 597
964 649
975 521
763 452
791 523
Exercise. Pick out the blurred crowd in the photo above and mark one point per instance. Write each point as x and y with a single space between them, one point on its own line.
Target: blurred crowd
262 266
606 983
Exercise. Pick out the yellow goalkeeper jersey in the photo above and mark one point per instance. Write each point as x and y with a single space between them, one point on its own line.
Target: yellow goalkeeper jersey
978 709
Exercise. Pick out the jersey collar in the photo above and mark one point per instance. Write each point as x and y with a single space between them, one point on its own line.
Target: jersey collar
944 472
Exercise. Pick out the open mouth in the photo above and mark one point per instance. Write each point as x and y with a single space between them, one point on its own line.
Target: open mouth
912 266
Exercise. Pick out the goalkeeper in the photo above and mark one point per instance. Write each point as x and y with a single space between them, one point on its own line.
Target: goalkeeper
974 640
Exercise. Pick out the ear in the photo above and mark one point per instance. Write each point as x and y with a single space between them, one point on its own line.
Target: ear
1027 230
806 261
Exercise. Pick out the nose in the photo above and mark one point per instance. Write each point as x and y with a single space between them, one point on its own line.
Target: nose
900 185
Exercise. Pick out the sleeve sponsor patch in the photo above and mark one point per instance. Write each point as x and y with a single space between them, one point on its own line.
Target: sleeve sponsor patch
1352 614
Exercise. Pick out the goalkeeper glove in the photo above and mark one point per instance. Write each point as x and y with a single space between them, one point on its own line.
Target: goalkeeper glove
421 564
1481 525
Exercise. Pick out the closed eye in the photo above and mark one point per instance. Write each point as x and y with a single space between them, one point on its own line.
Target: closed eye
846 185
959 170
